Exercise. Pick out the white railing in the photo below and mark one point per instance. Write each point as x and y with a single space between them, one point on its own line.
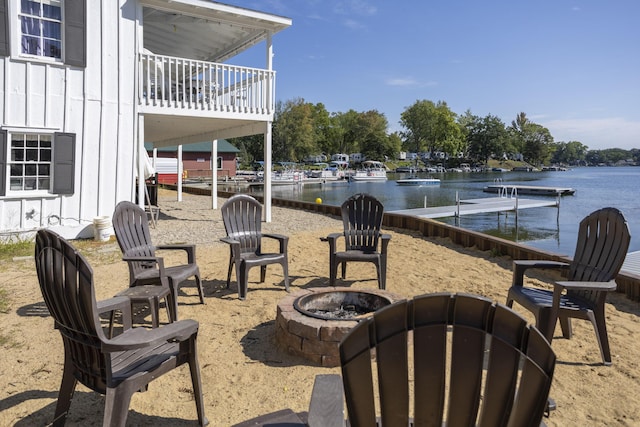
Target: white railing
172 82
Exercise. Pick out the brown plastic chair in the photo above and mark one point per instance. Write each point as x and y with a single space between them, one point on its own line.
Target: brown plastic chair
456 359
242 217
362 219
603 241
131 227
115 367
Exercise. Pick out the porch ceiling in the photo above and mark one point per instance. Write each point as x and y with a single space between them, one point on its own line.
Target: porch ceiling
170 130
204 30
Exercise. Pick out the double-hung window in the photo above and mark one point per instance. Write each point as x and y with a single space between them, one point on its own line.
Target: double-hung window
36 162
41 28
50 30
30 164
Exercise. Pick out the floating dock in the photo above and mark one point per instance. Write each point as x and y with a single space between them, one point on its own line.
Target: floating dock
477 206
531 190
632 263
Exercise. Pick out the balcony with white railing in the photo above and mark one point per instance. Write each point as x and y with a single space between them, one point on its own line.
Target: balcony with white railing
171 85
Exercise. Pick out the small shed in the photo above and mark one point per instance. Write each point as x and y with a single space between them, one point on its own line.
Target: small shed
196 160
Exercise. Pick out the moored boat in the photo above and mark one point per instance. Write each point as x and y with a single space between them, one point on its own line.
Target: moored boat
418 181
371 171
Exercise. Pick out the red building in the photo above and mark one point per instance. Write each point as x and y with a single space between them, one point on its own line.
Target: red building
196 161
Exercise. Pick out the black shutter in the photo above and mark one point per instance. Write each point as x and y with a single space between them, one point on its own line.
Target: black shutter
4 28
75 35
3 162
64 152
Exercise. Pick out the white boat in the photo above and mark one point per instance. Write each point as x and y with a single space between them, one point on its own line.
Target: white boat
371 171
418 181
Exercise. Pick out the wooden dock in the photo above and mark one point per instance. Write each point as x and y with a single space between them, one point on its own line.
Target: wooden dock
631 263
477 206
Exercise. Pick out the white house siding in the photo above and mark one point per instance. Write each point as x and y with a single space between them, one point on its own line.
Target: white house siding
96 104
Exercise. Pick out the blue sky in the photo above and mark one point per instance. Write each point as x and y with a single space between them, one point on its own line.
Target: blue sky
571 66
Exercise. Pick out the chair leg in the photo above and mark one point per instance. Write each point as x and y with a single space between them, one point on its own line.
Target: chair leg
194 368
543 323
333 272
116 407
263 273
243 281
598 320
67 387
172 306
200 288
382 280
229 272
153 308
344 269
565 324
285 271
174 297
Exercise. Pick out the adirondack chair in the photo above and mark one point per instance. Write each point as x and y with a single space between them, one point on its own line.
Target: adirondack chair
131 227
115 367
242 217
603 241
456 359
362 219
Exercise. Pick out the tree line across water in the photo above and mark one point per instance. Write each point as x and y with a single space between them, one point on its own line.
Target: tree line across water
302 130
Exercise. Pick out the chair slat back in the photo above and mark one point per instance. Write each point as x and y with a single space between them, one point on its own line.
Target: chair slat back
603 241
131 226
362 220
497 368
66 282
242 217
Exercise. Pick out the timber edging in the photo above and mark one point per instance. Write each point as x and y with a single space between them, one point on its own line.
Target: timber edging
628 283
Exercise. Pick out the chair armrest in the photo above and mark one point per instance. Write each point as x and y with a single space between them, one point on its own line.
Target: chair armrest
284 240
332 239
188 248
520 266
143 337
327 402
122 304
588 286
384 238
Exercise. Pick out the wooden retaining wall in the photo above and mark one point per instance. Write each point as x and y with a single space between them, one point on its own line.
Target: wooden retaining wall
628 283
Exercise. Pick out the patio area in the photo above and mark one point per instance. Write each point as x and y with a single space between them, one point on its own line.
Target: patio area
244 372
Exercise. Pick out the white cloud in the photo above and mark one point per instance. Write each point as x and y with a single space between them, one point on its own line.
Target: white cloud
597 134
408 81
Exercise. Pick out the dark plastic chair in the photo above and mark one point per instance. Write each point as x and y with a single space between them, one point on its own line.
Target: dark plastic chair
115 367
458 360
131 227
362 219
242 217
603 241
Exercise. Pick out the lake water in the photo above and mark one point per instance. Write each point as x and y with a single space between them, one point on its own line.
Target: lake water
547 228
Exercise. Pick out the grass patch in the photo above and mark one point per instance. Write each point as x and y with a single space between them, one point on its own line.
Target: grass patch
19 248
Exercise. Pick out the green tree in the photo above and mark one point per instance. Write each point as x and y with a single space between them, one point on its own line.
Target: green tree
570 153
431 127
486 137
293 131
371 135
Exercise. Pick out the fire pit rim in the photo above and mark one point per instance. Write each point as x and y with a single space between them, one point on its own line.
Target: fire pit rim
372 293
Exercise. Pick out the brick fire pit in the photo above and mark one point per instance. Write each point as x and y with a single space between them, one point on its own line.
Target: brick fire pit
313 336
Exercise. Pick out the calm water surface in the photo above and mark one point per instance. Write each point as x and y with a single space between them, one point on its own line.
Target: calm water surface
544 228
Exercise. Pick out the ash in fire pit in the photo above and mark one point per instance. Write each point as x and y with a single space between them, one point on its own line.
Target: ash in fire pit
340 305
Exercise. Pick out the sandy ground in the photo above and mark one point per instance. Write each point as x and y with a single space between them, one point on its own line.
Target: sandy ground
244 373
